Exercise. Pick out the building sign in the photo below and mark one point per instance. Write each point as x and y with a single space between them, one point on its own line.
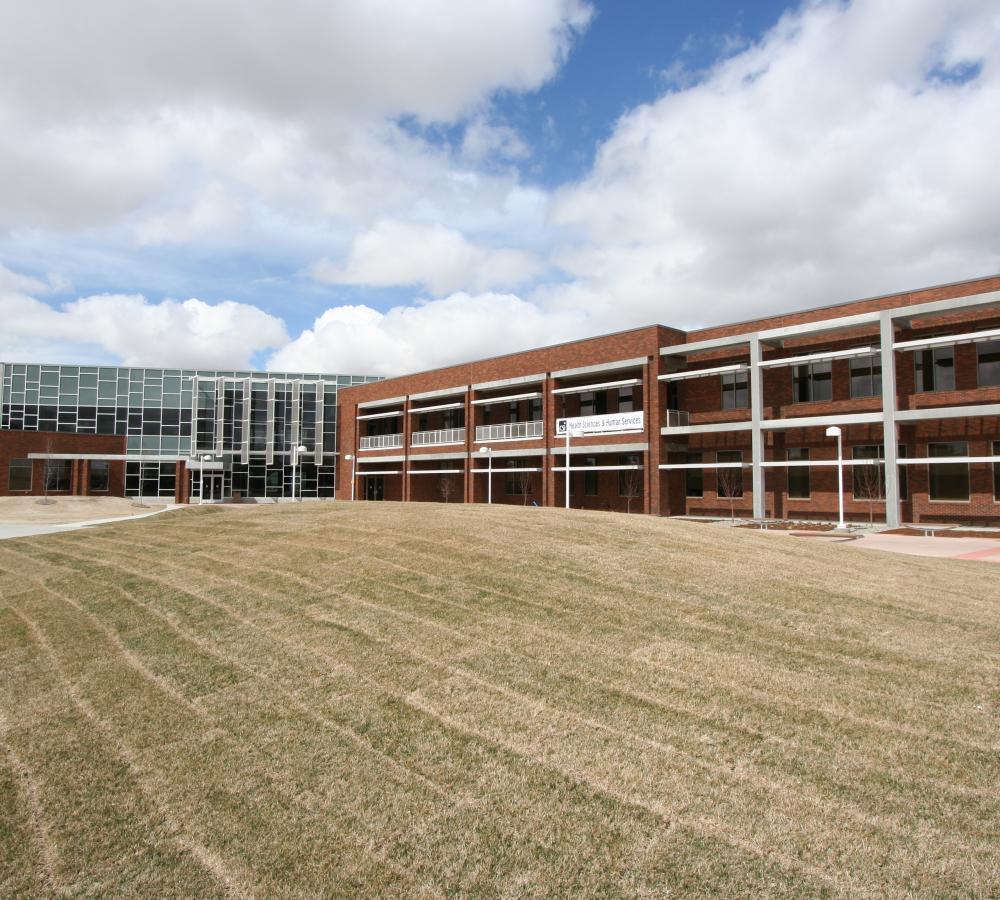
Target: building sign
607 424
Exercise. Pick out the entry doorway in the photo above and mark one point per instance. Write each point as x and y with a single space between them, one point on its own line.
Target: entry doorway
211 487
374 487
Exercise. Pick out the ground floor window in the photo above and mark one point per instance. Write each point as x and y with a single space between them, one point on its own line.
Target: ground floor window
694 479
948 481
904 474
629 480
57 475
868 480
19 475
729 481
996 472
591 482
798 476
519 481
100 476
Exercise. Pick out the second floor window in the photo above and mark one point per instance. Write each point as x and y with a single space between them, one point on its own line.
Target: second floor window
866 376
935 369
989 364
626 401
593 403
735 390
812 381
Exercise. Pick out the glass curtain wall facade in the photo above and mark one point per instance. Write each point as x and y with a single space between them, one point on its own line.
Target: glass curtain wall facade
248 422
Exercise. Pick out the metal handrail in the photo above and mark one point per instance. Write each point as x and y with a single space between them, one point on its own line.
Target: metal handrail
509 431
381 441
677 418
441 436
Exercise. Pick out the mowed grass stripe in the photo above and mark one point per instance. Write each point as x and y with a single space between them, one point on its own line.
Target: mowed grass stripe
228 704
790 678
811 815
228 701
446 673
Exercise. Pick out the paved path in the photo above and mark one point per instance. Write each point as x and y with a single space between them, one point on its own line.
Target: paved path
29 529
983 549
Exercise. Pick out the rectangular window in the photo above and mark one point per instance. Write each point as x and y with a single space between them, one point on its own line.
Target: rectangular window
587 403
626 401
694 479
868 479
19 475
948 481
535 413
100 477
518 482
735 390
590 479
935 369
798 476
996 472
904 474
729 481
812 382
629 480
866 376
989 364
57 474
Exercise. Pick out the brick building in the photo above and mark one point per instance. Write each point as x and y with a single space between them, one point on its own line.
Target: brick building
730 418
172 433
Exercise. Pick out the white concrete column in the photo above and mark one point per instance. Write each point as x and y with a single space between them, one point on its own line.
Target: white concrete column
890 439
756 433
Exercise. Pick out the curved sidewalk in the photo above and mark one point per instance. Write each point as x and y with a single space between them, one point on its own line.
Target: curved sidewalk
10 530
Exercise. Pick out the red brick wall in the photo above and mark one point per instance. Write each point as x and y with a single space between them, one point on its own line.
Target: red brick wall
18 444
663 492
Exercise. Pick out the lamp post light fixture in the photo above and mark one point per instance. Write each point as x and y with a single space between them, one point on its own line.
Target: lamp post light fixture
201 476
350 457
488 453
834 431
570 432
295 469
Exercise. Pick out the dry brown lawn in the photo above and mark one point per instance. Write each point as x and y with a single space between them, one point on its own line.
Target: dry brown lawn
422 700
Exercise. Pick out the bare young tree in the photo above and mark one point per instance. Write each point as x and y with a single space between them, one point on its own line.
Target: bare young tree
48 474
631 484
869 484
729 486
446 487
524 484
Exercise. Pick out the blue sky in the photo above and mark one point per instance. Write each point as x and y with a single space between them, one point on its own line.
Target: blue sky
374 187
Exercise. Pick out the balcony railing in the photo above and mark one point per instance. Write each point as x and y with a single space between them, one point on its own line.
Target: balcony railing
511 431
677 418
381 441
442 436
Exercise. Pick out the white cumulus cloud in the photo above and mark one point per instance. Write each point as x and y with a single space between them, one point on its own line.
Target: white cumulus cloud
454 329
432 256
132 330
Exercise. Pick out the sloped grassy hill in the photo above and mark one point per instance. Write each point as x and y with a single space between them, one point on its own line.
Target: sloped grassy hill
419 700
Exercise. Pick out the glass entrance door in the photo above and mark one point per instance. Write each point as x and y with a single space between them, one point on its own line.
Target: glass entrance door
213 488
374 487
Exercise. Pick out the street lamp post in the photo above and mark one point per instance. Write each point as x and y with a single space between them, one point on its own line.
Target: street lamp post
295 469
201 476
834 431
353 461
488 453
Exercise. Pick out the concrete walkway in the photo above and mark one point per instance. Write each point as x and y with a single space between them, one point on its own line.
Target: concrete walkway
979 549
983 549
29 529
